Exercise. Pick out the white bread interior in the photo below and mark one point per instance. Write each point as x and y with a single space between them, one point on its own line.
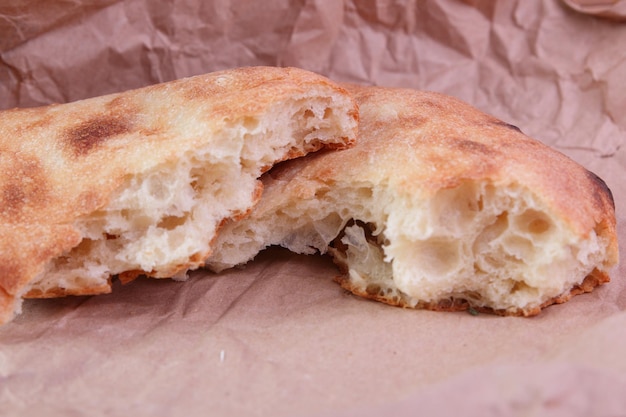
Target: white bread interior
494 247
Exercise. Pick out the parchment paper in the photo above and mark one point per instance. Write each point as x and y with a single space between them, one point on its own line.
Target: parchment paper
279 338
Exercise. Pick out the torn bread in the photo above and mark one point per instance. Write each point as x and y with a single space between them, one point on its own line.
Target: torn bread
139 182
438 206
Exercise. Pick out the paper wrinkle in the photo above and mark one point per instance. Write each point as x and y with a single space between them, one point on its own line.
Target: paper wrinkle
278 337
18 24
611 9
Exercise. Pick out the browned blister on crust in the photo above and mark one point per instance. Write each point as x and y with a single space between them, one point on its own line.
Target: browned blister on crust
438 206
139 182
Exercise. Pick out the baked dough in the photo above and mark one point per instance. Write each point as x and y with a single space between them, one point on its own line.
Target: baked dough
438 206
139 182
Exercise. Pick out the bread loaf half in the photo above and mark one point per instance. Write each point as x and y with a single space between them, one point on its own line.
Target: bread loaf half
140 182
438 206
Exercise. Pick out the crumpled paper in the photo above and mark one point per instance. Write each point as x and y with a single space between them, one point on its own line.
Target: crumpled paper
610 9
279 337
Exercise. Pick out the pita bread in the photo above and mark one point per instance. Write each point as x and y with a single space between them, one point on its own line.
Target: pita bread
139 182
438 206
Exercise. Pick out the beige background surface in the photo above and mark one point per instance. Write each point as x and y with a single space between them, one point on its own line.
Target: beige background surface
279 338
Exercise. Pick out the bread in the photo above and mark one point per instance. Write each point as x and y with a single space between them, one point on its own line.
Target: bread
438 206
140 182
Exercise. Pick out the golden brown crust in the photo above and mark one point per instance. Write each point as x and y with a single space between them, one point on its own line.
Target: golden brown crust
496 151
60 162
